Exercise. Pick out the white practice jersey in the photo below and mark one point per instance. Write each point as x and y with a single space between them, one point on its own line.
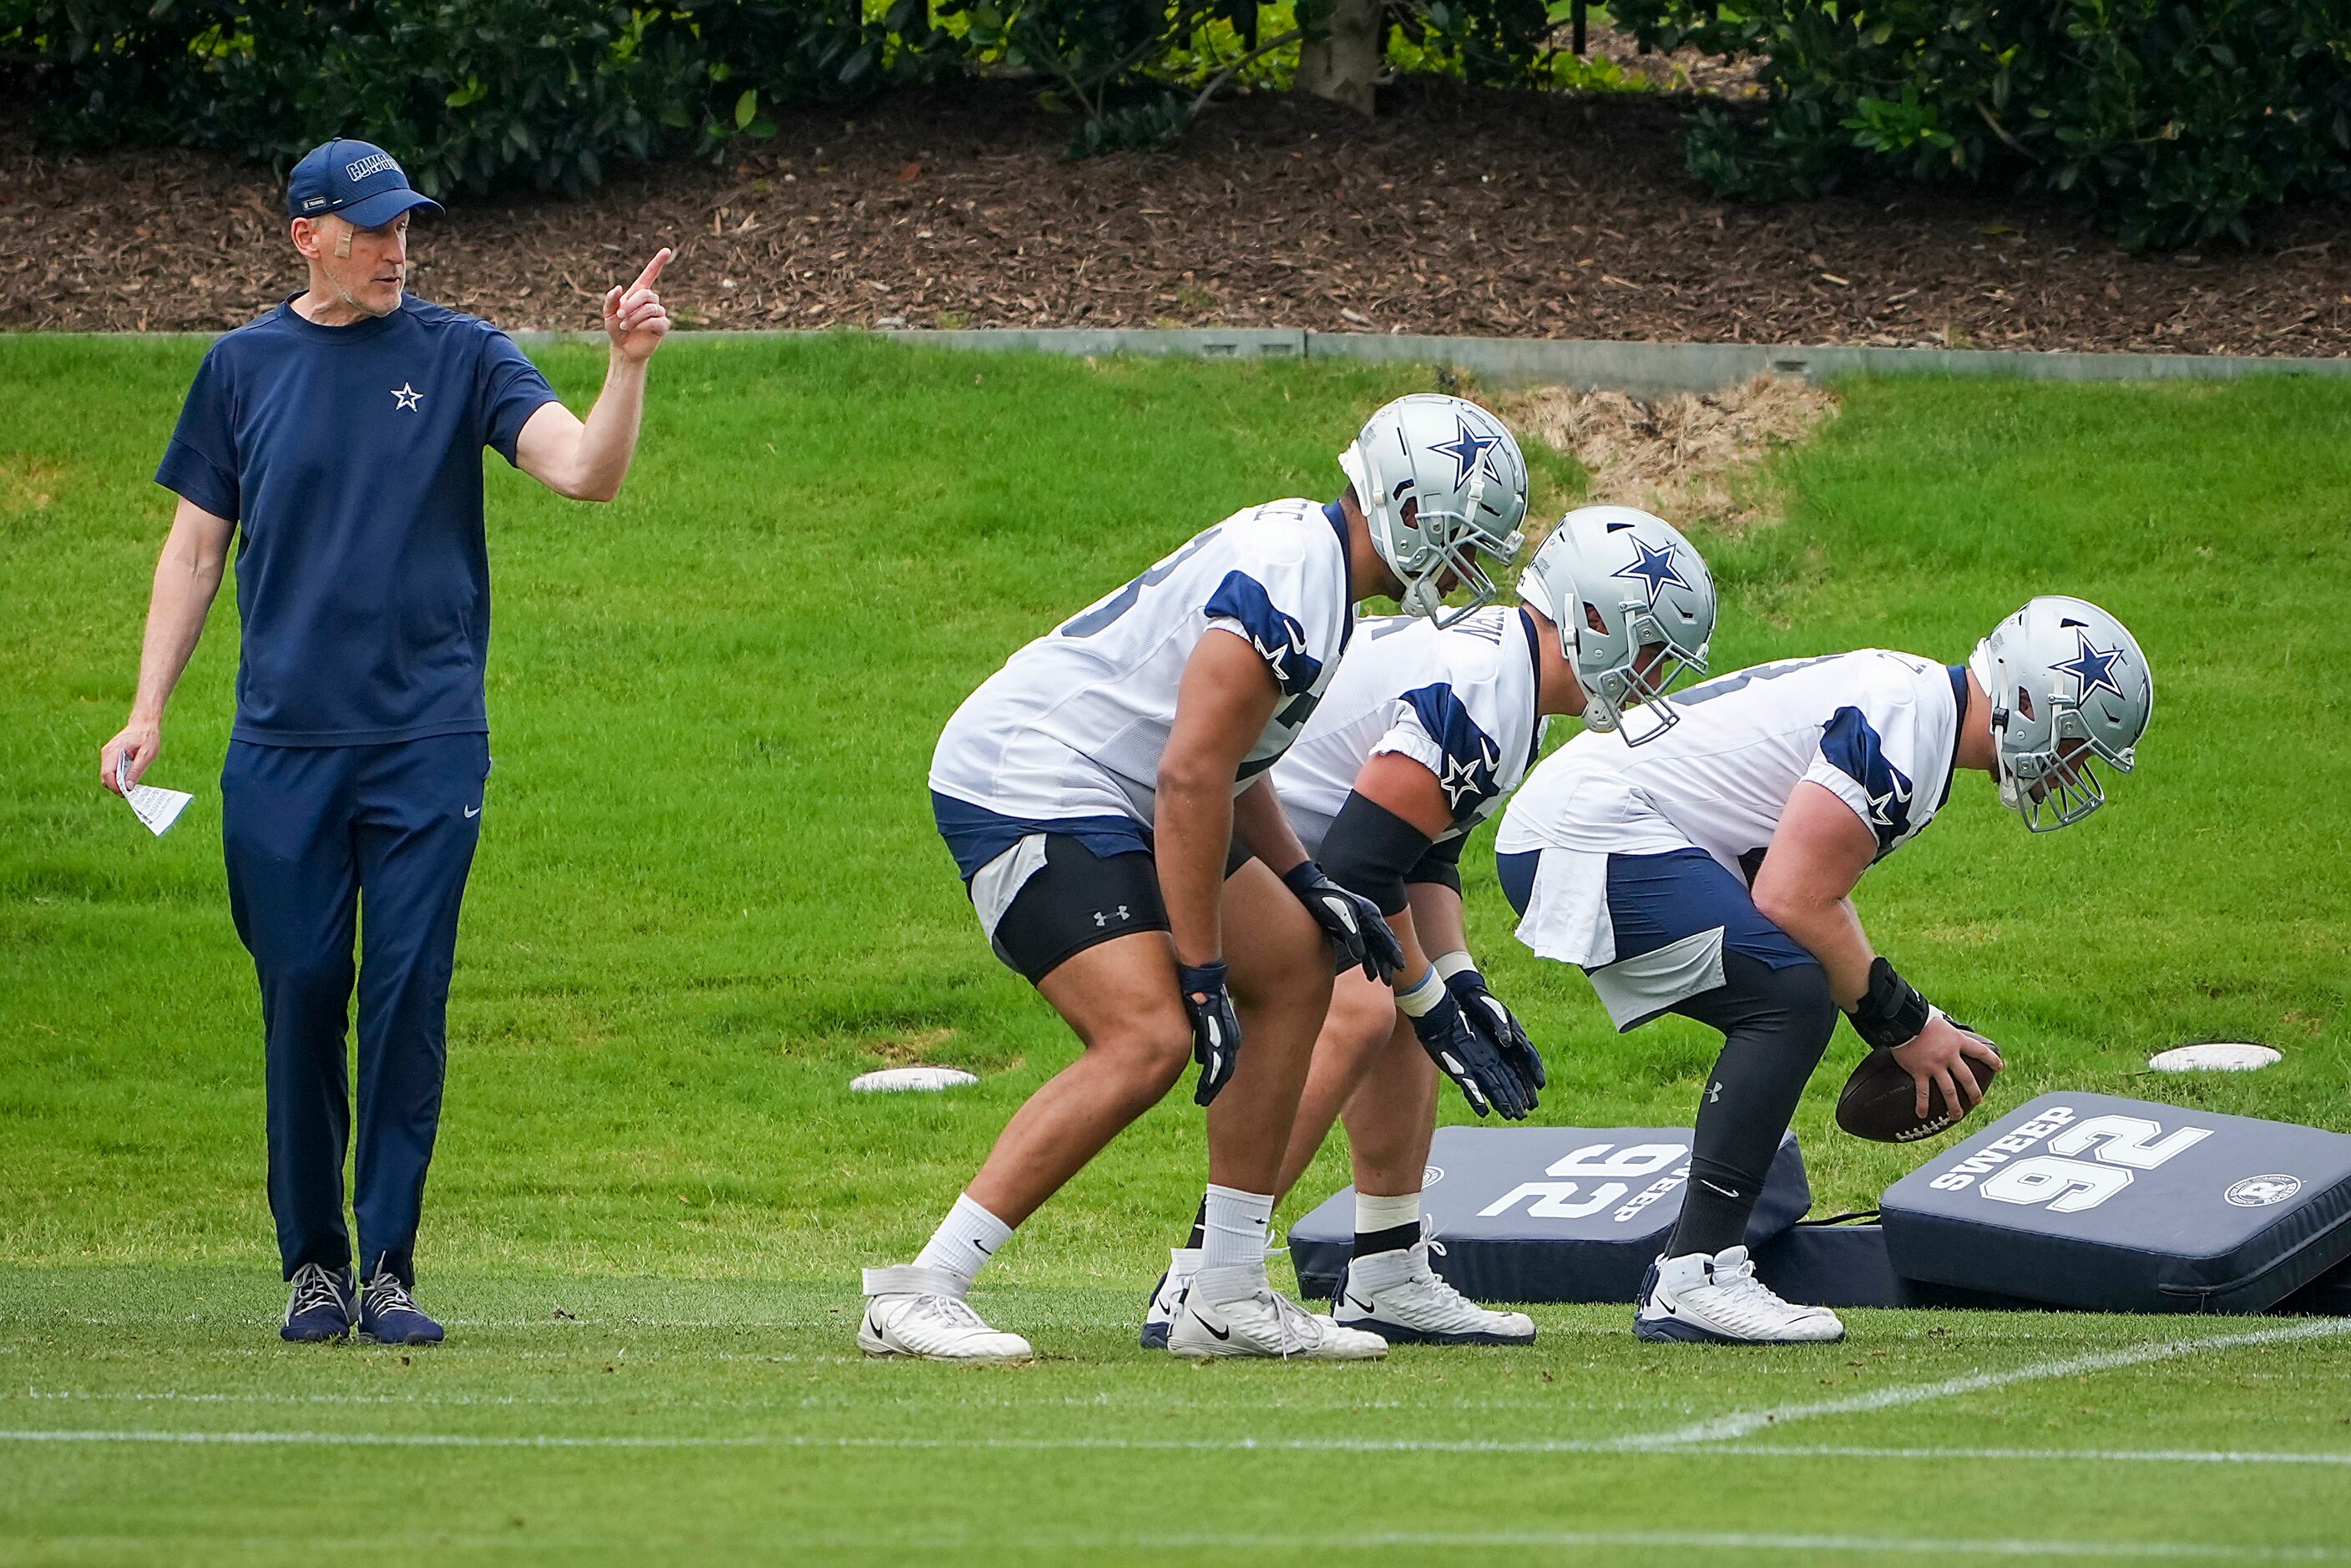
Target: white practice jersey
1073 725
1877 728
1460 702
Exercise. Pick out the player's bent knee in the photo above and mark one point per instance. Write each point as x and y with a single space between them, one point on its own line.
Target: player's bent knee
1156 1055
1806 1010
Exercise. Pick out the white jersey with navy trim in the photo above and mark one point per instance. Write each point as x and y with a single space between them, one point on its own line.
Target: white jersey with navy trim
1459 701
1879 729
1073 725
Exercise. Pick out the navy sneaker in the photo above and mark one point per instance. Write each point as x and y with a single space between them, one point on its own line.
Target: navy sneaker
323 1306
388 1315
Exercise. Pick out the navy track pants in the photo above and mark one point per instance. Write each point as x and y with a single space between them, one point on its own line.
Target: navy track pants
324 845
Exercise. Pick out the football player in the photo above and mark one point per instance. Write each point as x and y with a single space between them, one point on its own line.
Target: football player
1104 796
1423 733
1710 875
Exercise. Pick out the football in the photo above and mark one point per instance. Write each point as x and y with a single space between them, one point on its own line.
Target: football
1880 1103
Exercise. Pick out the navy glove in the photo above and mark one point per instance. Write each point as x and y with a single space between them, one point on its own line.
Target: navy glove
1358 934
1490 1018
1215 1027
1465 1054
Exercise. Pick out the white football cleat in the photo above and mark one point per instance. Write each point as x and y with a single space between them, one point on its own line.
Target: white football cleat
1398 1297
921 1312
1252 1320
1167 1296
1719 1300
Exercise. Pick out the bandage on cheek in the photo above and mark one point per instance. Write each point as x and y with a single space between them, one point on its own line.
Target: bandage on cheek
343 241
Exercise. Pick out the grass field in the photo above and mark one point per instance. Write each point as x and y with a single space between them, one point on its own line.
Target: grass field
709 894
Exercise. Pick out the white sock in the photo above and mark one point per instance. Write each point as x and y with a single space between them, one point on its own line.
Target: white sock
1374 1214
1236 1229
968 1237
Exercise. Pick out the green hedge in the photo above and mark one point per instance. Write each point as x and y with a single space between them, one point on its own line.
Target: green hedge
2180 120
473 93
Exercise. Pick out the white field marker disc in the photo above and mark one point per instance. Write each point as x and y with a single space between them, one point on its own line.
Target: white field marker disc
894 1079
2215 1056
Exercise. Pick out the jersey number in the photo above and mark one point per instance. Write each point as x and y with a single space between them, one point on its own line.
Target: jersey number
1707 691
1088 622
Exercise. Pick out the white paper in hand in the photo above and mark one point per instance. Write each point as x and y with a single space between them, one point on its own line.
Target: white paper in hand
158 808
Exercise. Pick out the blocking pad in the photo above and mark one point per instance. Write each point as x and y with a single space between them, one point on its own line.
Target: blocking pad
1548 1214
2106 1204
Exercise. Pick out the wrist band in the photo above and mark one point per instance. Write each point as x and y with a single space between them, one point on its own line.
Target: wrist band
1891 1012
1448 964
1418 999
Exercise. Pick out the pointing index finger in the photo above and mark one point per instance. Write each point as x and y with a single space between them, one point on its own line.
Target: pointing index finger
653 269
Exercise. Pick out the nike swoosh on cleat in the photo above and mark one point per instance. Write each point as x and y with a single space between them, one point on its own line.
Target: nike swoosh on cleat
1359 1301
1221 1334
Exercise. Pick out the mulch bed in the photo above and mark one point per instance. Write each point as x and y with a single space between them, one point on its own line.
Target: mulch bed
1456 212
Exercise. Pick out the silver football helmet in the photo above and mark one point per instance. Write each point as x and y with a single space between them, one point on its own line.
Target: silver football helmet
2068 685
1635 605
1466 483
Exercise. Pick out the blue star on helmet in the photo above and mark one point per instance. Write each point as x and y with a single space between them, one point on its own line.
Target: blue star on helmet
1469 451
1654 565
2091 668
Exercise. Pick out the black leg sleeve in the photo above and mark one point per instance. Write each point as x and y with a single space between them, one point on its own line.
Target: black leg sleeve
1775 1024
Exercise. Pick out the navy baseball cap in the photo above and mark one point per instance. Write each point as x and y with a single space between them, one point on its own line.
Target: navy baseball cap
357 180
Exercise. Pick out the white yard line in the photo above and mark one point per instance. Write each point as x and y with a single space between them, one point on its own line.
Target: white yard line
1630 1447
1106 1545
1721 1434
1748 1540
1742 1423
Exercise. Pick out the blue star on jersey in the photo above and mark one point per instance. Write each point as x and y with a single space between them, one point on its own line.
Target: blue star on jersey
1461 776
2091 668
1895 799
1467 451
1654 565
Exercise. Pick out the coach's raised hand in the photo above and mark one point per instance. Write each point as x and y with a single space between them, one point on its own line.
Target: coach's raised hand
634 316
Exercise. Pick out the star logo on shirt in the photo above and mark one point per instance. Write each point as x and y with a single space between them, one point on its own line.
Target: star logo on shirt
2091 668
1467 451
1461 776
406 396
1898 795
1654 565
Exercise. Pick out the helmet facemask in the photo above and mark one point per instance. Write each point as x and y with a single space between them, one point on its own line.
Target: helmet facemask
2056 786
1613 692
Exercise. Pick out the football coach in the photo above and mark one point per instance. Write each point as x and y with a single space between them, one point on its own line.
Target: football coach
339 439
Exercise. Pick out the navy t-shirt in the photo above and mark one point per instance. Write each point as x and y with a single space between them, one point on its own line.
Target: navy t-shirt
350 460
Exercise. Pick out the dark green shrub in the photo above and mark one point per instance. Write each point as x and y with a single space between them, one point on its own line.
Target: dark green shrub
2180 121
473 93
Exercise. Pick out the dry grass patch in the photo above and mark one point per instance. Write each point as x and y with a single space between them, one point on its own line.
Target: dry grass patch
1689 458
27 484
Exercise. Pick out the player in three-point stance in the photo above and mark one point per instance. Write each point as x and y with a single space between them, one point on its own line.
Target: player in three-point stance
1423 733
1710 875
1105 797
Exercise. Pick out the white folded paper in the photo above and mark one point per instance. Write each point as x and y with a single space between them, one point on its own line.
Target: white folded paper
159 809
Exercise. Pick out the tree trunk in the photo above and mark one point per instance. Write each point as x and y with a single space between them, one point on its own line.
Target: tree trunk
1343 65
